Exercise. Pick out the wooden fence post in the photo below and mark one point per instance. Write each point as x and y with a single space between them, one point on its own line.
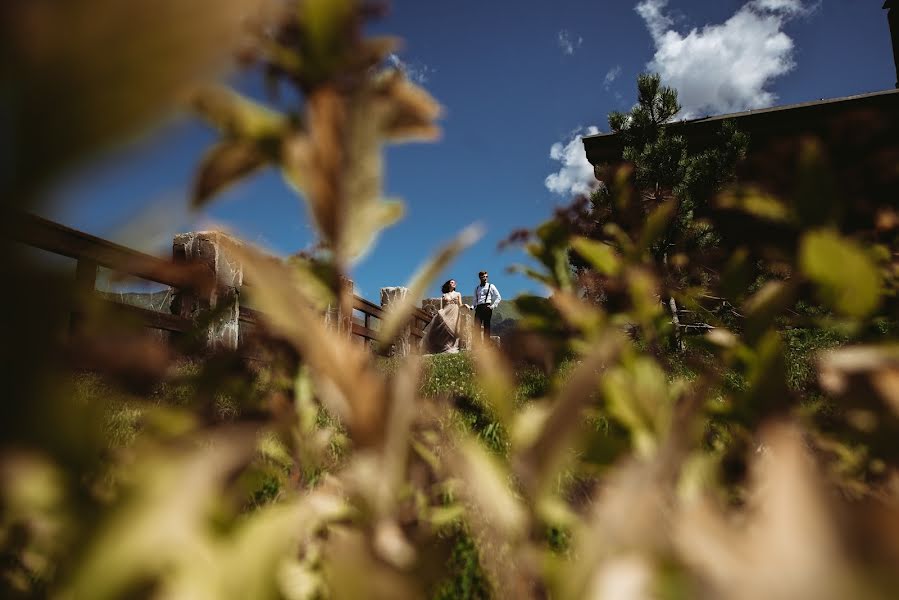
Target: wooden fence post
222 299
85 284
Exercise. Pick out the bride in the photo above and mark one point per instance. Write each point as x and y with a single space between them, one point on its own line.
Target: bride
442 333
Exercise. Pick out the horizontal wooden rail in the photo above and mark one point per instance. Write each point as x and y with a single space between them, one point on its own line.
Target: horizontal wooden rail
367 307
250 315
150 318
40 233
364 332
91 251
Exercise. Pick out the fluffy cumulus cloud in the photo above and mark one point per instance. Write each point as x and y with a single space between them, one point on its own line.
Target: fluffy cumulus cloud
725 67
569 43
418 72
575 175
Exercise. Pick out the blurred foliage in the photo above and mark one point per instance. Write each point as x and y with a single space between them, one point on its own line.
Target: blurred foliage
584 460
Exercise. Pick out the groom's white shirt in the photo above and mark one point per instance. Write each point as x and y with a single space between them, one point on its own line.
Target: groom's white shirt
487 294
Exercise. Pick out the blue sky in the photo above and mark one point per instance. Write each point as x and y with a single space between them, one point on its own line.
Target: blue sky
519 81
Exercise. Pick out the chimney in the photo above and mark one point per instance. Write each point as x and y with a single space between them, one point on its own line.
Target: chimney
893 19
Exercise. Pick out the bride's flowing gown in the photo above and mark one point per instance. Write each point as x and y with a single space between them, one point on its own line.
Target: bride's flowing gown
442 333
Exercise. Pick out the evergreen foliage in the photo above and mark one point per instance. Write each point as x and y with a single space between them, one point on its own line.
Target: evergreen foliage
668 175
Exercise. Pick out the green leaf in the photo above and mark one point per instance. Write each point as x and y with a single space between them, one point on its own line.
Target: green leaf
847 277
237 116
488 491
601 257
441 516
756 203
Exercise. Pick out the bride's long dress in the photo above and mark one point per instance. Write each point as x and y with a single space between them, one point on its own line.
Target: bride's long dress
442 333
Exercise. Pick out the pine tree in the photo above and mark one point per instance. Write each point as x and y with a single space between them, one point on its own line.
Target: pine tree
669 178
666 169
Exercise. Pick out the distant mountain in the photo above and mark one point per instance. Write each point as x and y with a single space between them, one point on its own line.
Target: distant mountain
505 310
504 317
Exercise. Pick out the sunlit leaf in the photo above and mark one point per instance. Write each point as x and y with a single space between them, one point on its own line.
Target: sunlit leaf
410 113
344 376
487 487
251 561
601 256
578 313
846 276
790 524
538 461
163 520
496 380
639 397
236 116
756 203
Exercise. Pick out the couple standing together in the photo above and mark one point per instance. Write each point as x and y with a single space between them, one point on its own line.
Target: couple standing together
443 332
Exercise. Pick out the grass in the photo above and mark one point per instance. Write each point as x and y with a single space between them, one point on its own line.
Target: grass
453 376
465 579
449 376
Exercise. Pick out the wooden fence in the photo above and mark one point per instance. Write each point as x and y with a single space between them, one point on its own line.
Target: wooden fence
91 252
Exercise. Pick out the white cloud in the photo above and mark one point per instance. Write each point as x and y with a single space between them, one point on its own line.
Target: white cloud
724 67
790 6
575 176
567 43
651 11
418 72
611 75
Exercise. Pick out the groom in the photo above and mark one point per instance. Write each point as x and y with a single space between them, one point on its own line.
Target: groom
486 298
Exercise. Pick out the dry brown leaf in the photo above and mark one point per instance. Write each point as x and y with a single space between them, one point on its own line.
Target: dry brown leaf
344 376
580 314
224 164
409 111
788 546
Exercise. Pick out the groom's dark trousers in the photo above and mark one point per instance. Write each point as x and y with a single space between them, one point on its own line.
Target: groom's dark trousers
483 313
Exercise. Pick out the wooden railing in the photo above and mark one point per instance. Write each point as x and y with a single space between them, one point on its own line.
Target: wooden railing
372 313
91 252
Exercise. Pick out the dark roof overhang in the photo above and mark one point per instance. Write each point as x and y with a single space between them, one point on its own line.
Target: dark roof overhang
807 118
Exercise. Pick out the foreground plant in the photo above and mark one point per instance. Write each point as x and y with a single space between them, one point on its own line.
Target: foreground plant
615 482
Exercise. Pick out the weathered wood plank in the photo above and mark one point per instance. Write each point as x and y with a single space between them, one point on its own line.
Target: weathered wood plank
149 318
364 332
40 233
